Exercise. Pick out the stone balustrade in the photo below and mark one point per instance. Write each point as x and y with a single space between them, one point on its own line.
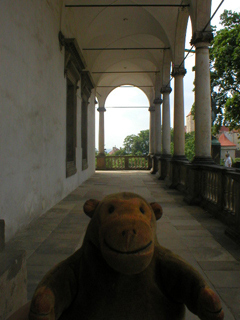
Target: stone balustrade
213 187
124 163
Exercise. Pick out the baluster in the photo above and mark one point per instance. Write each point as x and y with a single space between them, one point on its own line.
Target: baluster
208 185
232 196
211 186
227 192
126 163
214 187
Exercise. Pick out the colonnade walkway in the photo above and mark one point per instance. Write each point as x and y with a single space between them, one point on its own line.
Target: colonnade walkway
187 230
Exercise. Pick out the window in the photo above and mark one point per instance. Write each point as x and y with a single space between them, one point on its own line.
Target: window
86 87
71 168
73 66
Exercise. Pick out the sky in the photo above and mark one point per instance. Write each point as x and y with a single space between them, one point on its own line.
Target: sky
120 123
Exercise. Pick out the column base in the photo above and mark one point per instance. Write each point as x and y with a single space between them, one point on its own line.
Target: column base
100 155
166 156
178 173
154 163
203 161
101 161
181 158
163 166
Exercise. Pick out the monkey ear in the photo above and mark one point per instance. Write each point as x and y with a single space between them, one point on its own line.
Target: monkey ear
157 209
90 207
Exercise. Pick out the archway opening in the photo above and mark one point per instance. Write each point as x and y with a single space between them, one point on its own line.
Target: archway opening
126 114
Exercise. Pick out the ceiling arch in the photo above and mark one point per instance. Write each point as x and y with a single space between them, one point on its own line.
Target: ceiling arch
105 27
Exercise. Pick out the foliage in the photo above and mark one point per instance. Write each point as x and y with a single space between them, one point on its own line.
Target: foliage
129 143
190 145
193 110
137 145
225 70
121 152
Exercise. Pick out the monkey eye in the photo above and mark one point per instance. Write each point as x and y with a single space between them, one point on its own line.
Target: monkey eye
142 210
111 209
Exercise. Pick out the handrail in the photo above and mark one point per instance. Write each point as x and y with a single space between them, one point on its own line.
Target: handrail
126 163
214 187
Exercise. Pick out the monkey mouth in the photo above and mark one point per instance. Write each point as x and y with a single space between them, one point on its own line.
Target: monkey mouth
128 252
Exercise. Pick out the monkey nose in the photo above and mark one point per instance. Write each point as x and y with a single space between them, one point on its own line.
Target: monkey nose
128 237
129 232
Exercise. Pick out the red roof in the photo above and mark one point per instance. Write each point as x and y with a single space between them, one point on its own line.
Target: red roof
189 114
226 129
225 142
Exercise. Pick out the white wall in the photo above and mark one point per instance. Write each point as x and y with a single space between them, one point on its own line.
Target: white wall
33 114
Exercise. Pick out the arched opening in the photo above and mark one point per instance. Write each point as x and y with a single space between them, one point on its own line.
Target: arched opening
126 114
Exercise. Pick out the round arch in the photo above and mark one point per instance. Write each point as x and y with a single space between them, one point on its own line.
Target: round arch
121 118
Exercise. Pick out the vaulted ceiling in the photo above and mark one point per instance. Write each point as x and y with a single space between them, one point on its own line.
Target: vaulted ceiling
129 41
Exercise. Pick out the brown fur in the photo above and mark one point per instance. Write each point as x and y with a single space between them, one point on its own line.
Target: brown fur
122 273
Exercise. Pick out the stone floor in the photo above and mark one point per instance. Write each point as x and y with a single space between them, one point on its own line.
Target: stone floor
187 230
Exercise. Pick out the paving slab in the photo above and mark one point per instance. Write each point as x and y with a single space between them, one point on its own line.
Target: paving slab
189 231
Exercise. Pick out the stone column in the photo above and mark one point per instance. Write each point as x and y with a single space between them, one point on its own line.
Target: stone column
158 127
203 120
101 155
157 135
151 129
179 133
166 129
101 111
164 160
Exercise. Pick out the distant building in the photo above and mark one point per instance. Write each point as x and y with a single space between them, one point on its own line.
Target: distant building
227 146
190 123
114 149
232 135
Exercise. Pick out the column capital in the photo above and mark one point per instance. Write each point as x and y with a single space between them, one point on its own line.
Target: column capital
166 89
178 71
152 108
202 36
101 109
157 101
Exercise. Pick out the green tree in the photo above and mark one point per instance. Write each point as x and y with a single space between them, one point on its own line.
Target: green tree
141 143
225 70
193 110
128 143
121 152
190 145
137 145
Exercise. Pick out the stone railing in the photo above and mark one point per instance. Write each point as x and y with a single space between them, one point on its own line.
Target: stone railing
213 187
125 163
221 190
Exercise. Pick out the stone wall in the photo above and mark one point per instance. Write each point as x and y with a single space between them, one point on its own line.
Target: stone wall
33 113
13 277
